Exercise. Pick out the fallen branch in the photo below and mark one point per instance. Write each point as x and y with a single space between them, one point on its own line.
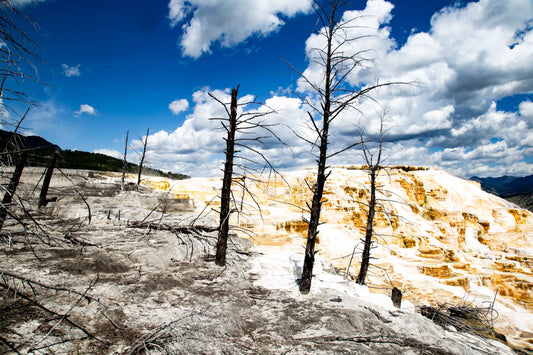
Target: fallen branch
65 317
79 194
9 345
174 229
43 285
465 317
381 339
79 240
158 334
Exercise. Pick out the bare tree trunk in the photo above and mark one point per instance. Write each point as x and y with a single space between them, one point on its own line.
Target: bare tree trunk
316 206
47 177
374 167
314 220
337 94
124 162
369 229
12 187
225 198
142 158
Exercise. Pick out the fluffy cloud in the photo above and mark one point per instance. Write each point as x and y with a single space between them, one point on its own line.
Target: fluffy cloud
196 147
206 22
71 71
371 34
178 106
193 146
448 117
457 80
4 113
88 109
526 111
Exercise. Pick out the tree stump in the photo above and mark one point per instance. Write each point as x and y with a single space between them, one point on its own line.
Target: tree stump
396 297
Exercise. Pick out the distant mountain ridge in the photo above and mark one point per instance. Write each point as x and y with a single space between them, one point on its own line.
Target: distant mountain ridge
73 159
515 189
28 141
506 186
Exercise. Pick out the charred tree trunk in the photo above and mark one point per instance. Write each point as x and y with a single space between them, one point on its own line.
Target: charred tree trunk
225 198
47 177
338 59
316 205
124 162
365 261
314 220
12 187
142 158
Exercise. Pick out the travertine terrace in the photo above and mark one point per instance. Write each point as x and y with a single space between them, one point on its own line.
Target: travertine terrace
441 238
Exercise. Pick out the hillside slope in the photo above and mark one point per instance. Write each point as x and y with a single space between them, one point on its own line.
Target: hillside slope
524 200
519 190
506 186
151 288
441 238
41 150
26 141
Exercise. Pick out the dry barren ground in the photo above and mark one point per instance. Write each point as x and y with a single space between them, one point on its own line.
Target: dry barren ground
120 288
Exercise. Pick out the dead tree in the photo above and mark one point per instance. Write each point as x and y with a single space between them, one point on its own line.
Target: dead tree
12 187
373 167
124 161
18 56
18 65
143 155
47 177
225 196
246 124
336 96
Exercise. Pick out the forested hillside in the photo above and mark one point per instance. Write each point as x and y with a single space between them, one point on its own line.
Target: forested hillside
41 149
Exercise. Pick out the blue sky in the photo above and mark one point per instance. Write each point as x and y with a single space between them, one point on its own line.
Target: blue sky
114 66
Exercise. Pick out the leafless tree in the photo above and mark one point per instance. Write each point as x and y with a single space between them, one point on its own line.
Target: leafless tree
143 155
18 53
12 187
336 97
18 64
18 58
373 167
242 129
47 177
124 161
225 197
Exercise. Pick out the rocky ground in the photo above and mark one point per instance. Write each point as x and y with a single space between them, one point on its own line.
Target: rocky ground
134 279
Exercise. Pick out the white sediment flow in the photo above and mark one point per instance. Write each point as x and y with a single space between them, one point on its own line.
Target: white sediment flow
440 238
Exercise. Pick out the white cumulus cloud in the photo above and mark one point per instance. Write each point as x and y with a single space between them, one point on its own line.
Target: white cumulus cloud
71 71
457 81
450 117
526 110
88 109
178 106
196 147
228 22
